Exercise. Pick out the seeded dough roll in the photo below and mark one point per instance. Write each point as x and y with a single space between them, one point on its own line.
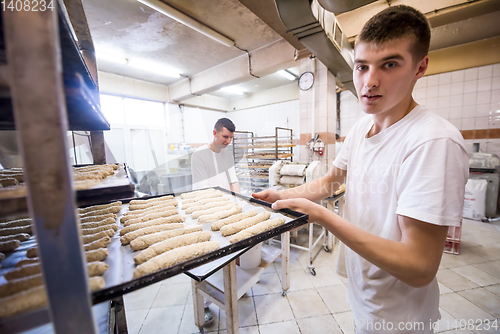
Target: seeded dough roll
108 229
96 268
154 222
8 246
256 229
219 215
169 244
198 214
103 242
99 207
160 210
149 217
23 262
96 255
107 221
150 205
174 256
111 209
243 224
27 270
15 230
31 253
20 236
16 223
127 238
8 181
207 206
150 200
186 206
93 237
151 239
232 219
97 218
197 193
205 196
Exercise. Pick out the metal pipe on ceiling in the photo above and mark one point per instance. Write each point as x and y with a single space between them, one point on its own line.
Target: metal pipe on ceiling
173 13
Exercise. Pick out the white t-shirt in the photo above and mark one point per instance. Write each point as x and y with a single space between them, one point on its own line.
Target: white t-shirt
212 169
418 168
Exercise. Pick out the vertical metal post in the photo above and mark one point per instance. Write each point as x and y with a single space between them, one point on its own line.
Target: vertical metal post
98 147
231 298
34 60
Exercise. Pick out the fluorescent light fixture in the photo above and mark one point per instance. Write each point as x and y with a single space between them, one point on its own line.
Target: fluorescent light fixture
111 58
286 75
232 90
153 67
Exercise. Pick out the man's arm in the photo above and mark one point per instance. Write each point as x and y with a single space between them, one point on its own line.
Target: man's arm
414 260
313 191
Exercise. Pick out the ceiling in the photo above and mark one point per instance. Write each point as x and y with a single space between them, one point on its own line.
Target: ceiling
132 30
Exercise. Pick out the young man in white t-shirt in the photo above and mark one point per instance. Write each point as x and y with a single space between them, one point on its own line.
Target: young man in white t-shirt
212 165
405 169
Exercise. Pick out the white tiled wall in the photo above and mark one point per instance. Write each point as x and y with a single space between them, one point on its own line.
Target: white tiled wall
469 99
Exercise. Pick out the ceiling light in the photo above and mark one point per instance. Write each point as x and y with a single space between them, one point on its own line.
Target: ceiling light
153 67
111 58
286 75
232 90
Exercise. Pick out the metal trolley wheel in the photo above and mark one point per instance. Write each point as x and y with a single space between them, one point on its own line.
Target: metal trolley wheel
313 271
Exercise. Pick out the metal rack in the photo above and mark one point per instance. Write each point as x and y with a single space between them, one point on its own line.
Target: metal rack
254 156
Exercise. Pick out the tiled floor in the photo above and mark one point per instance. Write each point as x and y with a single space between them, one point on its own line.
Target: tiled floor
469 285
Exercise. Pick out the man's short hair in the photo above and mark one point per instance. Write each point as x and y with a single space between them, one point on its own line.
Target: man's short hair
398 22
224 123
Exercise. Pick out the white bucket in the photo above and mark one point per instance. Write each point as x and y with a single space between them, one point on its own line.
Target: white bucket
251 258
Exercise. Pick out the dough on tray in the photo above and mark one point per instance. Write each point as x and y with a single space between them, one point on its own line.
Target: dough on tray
20 236
132 215
150 200
152 205
96 268
219 215
96 255
111 209
16 223
129 237
233 219
15 230
103 242
27 270
256 229
213 194
90 219
207 206
200 213
169 244
93 237
151 239
99 207
9 246
26 261
151 216
197 193
243 224
186 206
87 231
107 221
175 256
154 222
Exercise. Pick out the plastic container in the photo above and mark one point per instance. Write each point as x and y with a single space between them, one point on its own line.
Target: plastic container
251 258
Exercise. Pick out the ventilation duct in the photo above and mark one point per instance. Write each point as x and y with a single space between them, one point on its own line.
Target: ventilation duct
342 6
318 30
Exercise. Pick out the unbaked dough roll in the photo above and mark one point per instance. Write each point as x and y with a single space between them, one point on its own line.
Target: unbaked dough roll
111 209
243 224
107 221
154 222
174 256
15 230
207 206
27 270
17 285
96 255
96 268
139 209
99 207
93 237
256 229
198 214
233 219
97 218
103 242
16 223
197 193
20 236
219 215
151 239
9 246
150 200
86 176
151 216
169 244
26 261
186 206
205 196
8 181
144 206
87 231
141 214
127 238
85 184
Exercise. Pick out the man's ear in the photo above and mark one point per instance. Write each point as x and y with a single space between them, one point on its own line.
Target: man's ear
215 132
422 67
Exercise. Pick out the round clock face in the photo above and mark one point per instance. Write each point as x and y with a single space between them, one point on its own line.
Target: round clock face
306 80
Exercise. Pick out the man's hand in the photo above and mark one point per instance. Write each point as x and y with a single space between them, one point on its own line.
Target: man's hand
315 211
268 195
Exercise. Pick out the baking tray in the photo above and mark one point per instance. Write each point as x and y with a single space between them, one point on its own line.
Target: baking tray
119 276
